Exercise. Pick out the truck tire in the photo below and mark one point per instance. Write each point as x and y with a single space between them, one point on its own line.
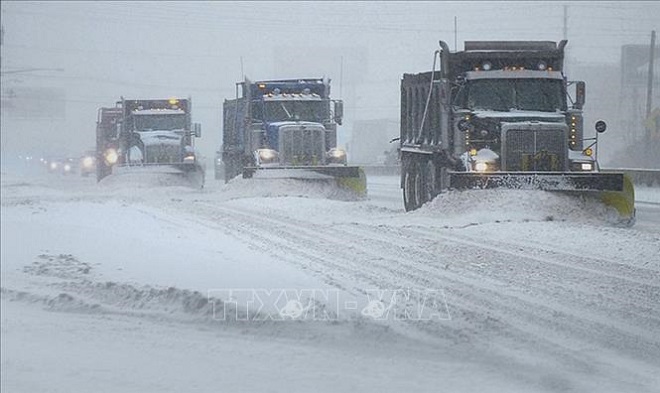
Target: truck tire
428 182
412 186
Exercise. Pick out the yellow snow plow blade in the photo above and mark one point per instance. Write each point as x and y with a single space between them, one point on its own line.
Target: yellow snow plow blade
623 201
356 184
613 189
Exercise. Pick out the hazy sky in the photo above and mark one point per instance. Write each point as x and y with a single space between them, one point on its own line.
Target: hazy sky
94 52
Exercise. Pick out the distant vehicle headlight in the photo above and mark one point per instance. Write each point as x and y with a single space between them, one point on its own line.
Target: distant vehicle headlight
67 167
53 165
88 162
189 159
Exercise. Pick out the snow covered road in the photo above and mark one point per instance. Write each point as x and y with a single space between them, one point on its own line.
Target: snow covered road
530 291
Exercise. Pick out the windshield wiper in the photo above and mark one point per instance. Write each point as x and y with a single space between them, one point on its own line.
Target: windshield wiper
285 110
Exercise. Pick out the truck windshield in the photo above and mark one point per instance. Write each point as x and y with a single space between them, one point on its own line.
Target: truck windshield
545 95
317 111
160 122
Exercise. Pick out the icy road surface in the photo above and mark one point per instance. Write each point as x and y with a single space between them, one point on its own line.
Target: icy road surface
124 287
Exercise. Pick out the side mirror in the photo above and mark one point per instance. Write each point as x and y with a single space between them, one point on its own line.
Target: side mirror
197 130
339 111
601 126
580 95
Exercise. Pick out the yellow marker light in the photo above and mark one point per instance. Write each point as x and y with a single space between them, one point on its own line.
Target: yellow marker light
473 152
173 101
262 86
588 152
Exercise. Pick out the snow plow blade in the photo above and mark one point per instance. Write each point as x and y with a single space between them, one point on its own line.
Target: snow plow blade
613 189
349 178
189 175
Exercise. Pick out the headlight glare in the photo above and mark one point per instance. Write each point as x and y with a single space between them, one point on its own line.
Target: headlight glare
88 162
480 166
267 156
111 156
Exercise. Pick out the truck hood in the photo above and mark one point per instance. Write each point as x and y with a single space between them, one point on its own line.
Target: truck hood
161 137
280 124
516 116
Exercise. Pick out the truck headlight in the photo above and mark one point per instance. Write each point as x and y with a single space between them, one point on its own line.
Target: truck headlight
481 166
336 156
88 162
582 166
483 160
189 159
111 156
267 156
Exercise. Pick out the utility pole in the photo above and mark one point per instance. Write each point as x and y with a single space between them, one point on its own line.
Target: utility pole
649 86
341 75
565 35
455 34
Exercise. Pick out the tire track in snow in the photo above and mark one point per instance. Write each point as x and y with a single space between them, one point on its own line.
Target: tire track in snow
471 307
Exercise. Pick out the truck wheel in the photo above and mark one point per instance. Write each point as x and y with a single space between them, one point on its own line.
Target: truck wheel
428 188
412 187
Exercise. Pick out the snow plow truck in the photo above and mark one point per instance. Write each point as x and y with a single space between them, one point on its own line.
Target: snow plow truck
501 114
287 129
151 136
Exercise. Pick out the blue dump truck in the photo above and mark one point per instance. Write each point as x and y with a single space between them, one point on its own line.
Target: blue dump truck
501 114
287 129
148 135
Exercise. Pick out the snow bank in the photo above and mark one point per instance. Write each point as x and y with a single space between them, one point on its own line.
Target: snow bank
500 205
148 178
277 187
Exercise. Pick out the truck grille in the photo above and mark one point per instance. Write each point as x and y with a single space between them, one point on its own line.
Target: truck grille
302 145
162 154
535 149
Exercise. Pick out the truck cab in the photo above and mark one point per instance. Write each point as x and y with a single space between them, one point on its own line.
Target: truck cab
281 124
